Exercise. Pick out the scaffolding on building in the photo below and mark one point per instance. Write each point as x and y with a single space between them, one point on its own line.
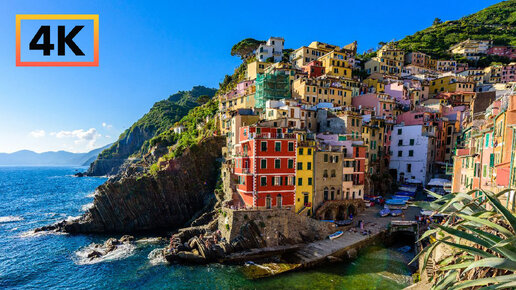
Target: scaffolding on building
272 86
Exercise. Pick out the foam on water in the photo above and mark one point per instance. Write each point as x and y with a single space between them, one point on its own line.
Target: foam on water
156 257
10 219
87 206
120 252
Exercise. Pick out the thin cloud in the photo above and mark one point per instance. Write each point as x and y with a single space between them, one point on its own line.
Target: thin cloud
37 133
81 136
106 125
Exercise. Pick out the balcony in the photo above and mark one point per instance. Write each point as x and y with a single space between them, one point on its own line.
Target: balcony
246 171
272 136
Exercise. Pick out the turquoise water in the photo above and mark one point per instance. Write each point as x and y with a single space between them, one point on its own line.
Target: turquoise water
37 196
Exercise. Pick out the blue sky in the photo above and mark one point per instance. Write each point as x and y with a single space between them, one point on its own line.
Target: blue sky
151 49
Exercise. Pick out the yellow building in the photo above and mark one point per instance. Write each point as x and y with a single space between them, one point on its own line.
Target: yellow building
373 134
336 64
304 175
374 85
254 68
303 55
450 84
321 90
389 60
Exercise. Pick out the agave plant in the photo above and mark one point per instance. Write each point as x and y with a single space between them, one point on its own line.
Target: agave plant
479 232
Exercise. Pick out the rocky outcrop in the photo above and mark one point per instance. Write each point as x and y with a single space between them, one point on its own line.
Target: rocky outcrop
168 200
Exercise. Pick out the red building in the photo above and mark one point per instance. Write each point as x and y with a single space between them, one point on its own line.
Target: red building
359 154
265 166
314 69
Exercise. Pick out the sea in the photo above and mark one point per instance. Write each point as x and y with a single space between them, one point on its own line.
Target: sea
32 197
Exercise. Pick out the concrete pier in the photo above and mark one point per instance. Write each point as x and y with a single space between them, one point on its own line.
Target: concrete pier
348 245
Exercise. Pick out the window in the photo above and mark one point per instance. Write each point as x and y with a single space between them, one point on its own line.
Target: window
411 153
399 131
400 142
309 181
263 164
409 167
290 164
277 180
277 163
325 173
411 142
400 153
277 146
300 166
309 151
300 151
309 166
333 174
264 145
325 157
300 181
290 146
263 181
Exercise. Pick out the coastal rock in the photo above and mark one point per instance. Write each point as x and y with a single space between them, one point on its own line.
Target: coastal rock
98 251
167 200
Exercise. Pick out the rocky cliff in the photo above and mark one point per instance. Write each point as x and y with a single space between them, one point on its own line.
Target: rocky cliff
133 143
166 200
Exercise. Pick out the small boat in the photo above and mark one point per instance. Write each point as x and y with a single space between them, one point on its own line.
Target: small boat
396 212
335 235
344 222
402 197
405 193
408 188
394 201
385 212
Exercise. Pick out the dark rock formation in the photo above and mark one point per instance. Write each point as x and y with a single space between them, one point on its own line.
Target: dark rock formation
165 201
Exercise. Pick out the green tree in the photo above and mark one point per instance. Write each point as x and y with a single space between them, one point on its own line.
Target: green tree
245 47
437 21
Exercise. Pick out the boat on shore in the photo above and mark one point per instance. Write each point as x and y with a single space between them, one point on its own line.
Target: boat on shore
385 212
396 212
335 235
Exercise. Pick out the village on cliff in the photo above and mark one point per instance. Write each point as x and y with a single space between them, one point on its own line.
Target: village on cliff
316 140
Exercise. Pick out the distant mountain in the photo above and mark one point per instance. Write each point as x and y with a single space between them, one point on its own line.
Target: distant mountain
53 158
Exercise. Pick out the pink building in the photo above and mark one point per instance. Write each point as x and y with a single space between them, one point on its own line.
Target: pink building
507 51
397 90
509 73
382 104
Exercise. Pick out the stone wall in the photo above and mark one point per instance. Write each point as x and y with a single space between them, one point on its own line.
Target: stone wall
277 226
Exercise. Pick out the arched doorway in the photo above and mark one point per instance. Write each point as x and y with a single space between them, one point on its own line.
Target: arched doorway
326 193
341 214
327 215
332 193
351 211
279 200
268 201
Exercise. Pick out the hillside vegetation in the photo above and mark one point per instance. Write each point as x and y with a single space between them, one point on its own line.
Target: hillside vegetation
134 141
497 23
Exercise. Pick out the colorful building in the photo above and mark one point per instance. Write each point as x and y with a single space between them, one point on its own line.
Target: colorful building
305 174
265 167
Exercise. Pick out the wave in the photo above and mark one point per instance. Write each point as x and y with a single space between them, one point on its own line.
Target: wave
10 219
87 206
156 257
32 234
120 252
91 194
72 218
